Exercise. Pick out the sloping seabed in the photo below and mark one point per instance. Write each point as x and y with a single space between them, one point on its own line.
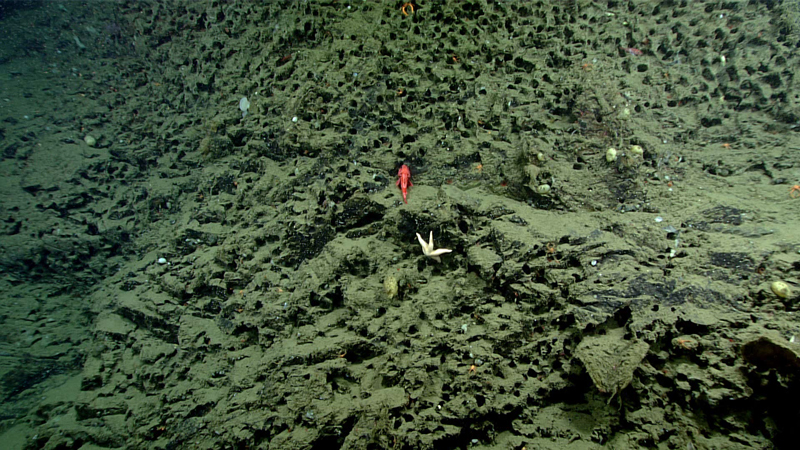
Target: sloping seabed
195 277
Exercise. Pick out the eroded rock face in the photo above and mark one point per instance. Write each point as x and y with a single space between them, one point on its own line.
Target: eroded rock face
626 304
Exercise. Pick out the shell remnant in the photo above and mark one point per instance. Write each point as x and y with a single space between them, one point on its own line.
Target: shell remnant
390 286
781 289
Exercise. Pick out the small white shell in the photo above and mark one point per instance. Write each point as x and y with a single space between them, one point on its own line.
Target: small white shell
162 260
781 289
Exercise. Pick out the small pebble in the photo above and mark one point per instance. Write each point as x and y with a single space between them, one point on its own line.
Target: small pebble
162 260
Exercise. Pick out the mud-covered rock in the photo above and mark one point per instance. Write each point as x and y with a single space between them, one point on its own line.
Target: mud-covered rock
611 359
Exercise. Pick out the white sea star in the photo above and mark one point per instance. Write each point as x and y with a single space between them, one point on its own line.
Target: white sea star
428 250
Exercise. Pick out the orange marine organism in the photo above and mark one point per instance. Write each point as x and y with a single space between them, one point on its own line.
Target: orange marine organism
404 180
